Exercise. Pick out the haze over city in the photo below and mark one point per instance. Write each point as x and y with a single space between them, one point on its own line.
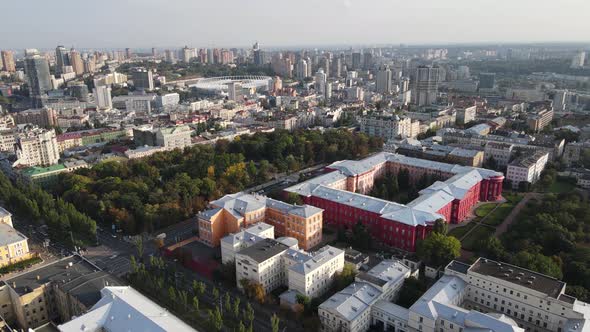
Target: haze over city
234 23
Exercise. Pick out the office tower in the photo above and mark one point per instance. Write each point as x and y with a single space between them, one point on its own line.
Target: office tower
258 55
78 91
320 82
487 80
367 60
425 85
325 65
328 92
142 79
463 73
309 67
62 59
169 56
37 70
187 54
578 60
102 97
8 61
336 70
154 52
356 61
301 69
384 81
210 57
128 53
90 65
76 61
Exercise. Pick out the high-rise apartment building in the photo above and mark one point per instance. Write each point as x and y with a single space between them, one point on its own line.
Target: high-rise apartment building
169 56
301 69
487 80
39 79
425 85
143 79
37 147
8 61
356 61
62 59
578 60
321 78
77 63
384 81
102 97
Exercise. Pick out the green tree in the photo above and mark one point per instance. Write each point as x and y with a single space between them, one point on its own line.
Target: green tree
236 307
294 198
139 246
196 303
275 322
241 327
198 287
227 301
172 294
215 294
248 313
215 319
345 277
438 249
440 227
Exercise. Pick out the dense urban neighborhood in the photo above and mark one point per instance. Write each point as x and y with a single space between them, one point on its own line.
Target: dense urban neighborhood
365 187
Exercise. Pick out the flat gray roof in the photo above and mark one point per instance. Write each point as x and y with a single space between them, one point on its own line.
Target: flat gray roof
520 276
263 250
82 279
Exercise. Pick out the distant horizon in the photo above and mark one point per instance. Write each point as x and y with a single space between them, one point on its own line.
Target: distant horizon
585 45
137 24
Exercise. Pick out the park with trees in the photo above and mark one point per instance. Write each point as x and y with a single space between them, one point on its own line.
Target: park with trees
148 194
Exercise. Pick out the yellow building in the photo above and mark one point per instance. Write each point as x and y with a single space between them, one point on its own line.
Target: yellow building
52 293
13 245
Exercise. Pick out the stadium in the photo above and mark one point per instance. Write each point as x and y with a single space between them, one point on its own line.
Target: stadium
219 85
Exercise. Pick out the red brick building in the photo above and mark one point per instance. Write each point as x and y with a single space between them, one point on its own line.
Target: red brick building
341 193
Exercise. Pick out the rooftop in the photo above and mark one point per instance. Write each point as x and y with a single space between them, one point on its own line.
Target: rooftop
264 250
317 260
74 274
518 275
9 235
125 309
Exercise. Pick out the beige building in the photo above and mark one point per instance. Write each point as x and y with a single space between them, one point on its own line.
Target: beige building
45 117
174 137
539 120
55 292
527 168
390 127
36 147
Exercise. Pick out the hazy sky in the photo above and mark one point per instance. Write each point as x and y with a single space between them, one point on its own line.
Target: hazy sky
224 23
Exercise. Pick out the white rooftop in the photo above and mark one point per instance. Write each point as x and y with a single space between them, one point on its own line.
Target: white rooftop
125 309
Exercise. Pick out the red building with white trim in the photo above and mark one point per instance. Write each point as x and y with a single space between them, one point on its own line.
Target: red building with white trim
341 193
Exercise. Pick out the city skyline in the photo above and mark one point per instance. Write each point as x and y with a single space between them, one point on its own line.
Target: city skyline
331 22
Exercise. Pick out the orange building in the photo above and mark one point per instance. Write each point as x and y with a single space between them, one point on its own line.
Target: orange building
231 213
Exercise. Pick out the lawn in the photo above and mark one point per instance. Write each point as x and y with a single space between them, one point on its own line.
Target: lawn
484 209
498 215
559 187
480 233
458 232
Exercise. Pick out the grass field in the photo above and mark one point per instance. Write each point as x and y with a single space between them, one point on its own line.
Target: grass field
484 209
496 217
458 232
480 233
559 187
